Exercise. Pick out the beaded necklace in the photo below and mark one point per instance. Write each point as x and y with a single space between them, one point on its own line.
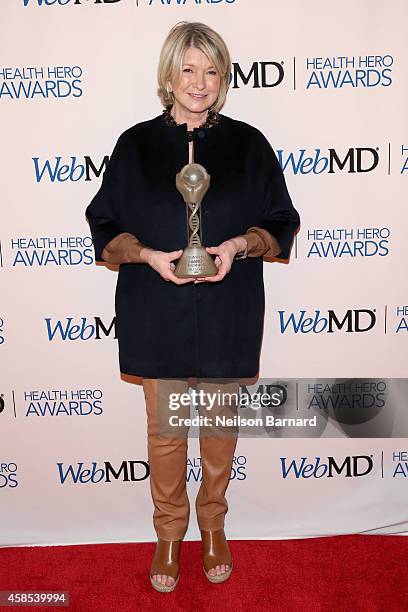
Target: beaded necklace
213 118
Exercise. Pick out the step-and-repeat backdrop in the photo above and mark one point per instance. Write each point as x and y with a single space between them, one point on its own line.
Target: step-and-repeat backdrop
327 84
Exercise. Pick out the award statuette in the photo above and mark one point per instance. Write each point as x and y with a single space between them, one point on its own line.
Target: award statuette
192 182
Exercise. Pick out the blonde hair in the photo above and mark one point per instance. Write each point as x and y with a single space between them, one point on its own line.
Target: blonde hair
187 34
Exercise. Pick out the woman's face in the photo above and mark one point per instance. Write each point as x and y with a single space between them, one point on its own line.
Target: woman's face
199 83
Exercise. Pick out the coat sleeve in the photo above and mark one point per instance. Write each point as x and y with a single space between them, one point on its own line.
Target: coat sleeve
280 218
103 213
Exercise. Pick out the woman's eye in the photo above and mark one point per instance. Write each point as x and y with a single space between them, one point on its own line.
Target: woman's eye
212 72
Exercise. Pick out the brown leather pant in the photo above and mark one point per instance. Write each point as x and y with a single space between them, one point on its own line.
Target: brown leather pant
167 454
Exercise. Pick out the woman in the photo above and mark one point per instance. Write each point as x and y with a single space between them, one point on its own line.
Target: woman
178 333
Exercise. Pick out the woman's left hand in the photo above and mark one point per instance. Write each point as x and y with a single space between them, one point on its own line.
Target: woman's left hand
224 256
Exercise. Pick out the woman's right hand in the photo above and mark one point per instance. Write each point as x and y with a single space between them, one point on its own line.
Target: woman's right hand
162 262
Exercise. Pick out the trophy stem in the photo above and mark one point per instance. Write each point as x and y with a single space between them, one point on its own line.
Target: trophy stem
194 224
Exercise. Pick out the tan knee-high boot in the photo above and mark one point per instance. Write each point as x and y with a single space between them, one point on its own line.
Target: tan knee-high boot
167 455
217 446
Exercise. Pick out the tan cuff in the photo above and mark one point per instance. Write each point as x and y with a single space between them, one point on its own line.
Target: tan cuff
124 248
261 243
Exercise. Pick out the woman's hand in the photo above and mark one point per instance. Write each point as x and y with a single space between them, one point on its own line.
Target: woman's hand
162 262
225 253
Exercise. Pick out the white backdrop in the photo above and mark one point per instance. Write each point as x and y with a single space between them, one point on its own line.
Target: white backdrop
74 74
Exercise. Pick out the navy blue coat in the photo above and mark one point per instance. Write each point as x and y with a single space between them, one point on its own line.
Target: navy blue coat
203 330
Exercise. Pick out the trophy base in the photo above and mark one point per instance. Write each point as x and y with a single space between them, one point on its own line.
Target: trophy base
195 261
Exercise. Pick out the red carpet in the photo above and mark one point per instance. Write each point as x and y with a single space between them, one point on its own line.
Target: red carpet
350 573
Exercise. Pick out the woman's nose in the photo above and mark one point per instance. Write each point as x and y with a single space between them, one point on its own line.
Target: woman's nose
199 80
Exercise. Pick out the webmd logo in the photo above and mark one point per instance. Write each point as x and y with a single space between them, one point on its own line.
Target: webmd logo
71 169
258 75
317 161
80 329
352 321
94 473
350 467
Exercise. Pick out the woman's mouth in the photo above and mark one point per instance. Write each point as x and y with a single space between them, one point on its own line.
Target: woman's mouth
197 96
